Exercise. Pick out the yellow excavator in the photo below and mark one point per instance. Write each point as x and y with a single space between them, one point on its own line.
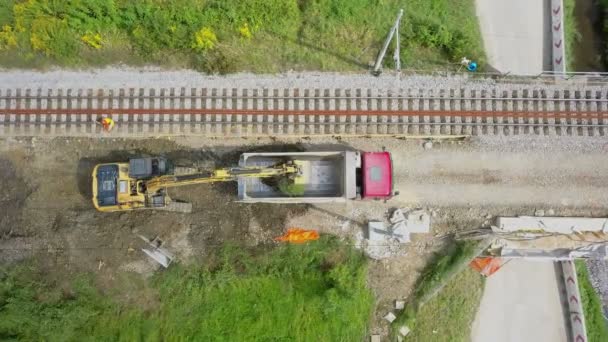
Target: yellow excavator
142 183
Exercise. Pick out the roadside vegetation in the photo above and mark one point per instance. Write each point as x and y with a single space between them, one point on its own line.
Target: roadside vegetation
445 300
448 316
571 34
222 36
604 8
312 292
592 306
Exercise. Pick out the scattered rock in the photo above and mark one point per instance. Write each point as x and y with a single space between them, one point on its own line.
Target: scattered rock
539 213
488 217
399 304
404 330
390 317
345 226
427 145
550 212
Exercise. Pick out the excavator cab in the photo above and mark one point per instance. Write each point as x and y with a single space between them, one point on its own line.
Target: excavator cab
121 186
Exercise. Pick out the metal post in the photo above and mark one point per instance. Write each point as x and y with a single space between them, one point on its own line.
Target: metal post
386 43
396 55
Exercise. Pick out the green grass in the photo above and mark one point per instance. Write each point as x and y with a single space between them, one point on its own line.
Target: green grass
253 35
597 331
571 34
312 292
449 315
433 281
604 7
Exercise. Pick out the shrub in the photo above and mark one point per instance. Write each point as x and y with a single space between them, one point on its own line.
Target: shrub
204 39
92 40
216 61
264 35
52 37
245 32
8 39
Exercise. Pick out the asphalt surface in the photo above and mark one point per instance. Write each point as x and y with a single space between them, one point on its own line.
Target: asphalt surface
515 35
520 303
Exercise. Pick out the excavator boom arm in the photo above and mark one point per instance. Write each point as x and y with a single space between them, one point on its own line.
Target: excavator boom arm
219 175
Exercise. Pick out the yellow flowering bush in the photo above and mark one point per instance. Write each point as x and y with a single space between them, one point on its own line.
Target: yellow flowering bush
7 38
40 36
245 31
92 40
204 39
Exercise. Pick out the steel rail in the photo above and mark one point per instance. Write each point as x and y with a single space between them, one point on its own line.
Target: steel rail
294 97
443 124
311 112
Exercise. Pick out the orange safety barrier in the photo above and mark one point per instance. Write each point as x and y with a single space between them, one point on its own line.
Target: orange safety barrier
297 235
486 266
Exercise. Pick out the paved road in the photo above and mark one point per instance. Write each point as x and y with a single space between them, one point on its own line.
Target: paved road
521 303
560 176
514 35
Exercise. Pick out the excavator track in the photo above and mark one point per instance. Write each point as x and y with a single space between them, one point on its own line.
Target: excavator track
179 207
184 170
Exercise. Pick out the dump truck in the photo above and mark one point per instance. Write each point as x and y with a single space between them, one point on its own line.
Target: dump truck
326 177
300 177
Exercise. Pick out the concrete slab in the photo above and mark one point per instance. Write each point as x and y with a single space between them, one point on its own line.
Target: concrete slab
390 317
376 231
516 35
521 302
418 221
563 225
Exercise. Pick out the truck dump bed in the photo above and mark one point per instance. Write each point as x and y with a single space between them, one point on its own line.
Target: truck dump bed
327 176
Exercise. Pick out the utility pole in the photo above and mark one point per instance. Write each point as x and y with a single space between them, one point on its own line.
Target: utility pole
396 55
394 29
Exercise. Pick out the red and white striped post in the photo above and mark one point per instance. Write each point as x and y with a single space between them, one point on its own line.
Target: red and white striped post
575 306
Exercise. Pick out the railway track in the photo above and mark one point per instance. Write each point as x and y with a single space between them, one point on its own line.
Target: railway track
308 112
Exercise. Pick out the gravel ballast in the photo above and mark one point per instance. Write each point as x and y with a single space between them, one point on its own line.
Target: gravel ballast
153 77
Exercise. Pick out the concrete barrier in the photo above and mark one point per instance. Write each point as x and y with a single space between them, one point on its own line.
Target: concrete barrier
559 42
575 305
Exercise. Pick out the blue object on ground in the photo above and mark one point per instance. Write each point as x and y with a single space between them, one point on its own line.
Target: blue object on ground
472 66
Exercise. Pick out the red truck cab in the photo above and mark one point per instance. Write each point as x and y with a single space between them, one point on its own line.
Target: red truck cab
377 174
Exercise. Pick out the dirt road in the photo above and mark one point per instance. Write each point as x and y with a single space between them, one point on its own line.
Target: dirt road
47 212
456 176
521 302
